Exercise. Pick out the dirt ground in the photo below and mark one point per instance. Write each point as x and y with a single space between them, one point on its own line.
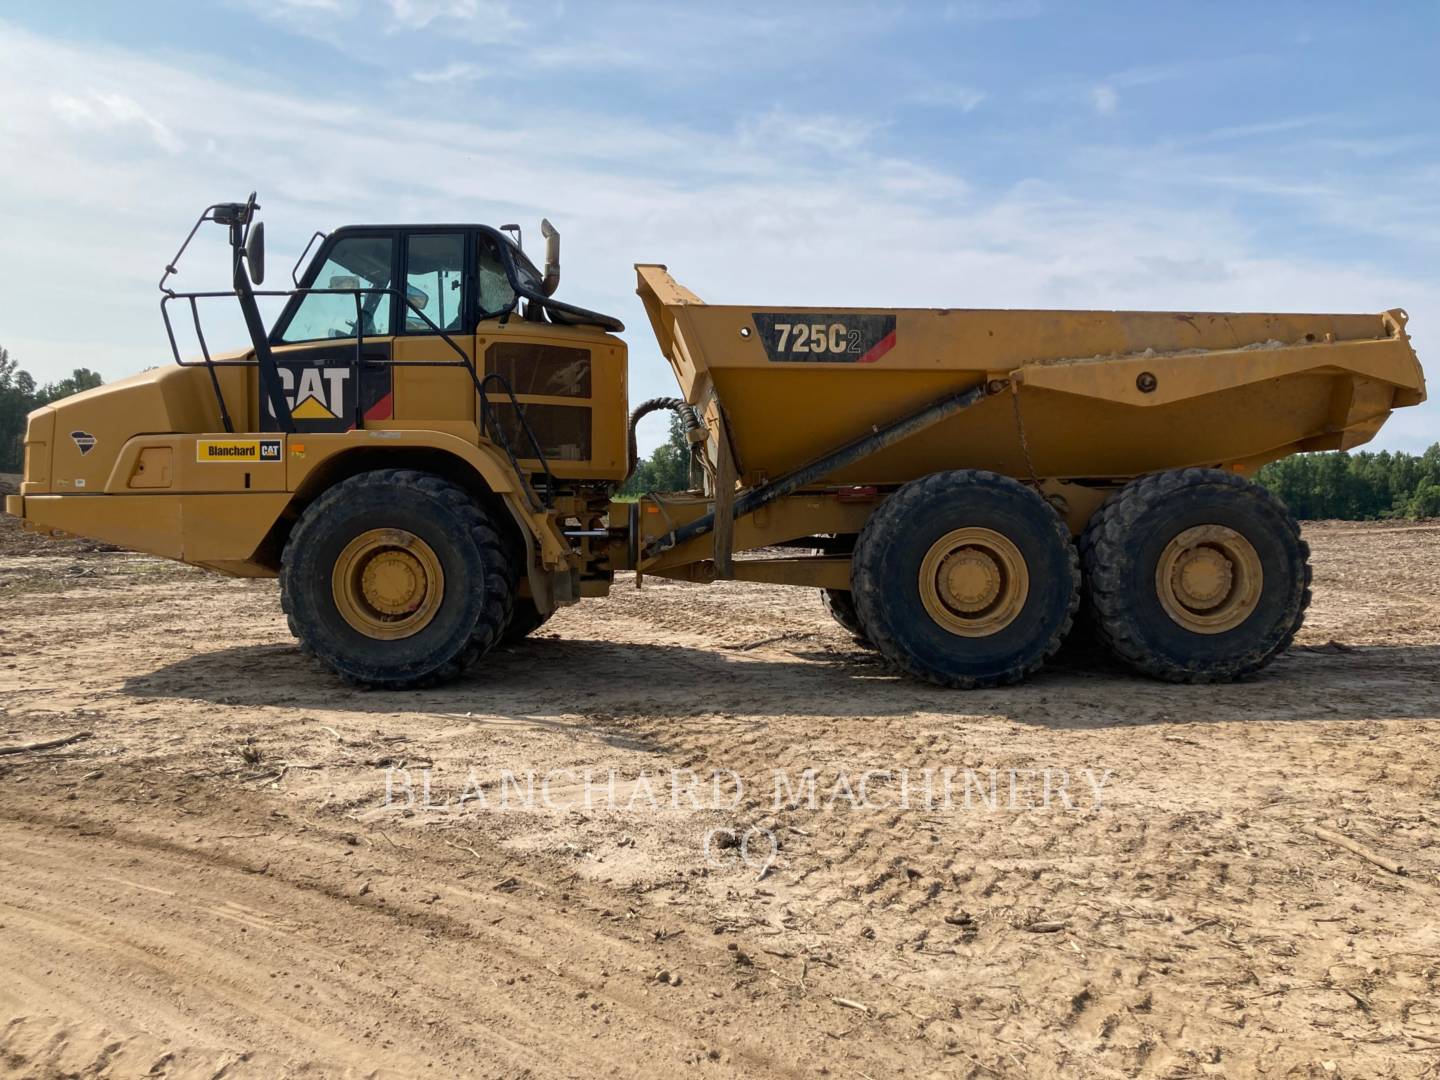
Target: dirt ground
214 882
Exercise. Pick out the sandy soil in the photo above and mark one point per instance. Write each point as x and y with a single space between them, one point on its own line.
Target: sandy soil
214 884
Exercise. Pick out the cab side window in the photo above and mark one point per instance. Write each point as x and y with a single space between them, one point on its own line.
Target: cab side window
354 263
434 282
496 295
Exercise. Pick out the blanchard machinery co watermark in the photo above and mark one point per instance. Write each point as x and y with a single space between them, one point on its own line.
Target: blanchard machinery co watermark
946 789
928 789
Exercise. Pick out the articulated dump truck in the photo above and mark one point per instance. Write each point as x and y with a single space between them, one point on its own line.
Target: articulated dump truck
424 446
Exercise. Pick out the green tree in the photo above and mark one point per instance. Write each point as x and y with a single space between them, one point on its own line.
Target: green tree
1357 487
666 469
79 379
1425 502
19 396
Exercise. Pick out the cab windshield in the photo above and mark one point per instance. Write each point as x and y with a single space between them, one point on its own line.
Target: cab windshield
355 262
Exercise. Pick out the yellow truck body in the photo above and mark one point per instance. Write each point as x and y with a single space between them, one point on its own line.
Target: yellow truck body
1224 389
494 445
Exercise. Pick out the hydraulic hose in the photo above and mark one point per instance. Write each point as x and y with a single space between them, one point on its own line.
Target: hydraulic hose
644 409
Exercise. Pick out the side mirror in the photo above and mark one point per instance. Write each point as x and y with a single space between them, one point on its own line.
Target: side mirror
255 252
418 298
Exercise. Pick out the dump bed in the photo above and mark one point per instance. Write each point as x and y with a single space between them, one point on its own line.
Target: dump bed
1090 394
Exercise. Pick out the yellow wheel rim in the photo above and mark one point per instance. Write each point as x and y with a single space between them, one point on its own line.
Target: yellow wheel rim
387 583
974 582
1209 579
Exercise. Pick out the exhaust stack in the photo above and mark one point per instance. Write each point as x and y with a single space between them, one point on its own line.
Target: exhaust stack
551 281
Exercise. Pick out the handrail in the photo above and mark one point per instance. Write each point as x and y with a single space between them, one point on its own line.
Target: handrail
488 419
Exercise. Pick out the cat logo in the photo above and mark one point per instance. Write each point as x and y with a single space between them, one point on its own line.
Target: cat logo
322 393
315 393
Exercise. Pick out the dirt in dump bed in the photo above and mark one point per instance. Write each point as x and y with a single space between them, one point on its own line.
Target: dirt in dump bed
1227 881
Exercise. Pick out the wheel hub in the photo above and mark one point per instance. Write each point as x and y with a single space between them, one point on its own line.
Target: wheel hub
1209 579
387 583
970 580
393 582
974 582
1203 577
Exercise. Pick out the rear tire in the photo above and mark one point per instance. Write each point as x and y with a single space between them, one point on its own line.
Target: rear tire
396 579
967 579
840 603
1195 575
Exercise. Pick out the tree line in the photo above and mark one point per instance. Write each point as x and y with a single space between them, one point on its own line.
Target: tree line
1357 487
19 394
666 469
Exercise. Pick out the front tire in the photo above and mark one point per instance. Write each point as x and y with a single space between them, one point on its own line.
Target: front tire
1195 575
397 579
967 579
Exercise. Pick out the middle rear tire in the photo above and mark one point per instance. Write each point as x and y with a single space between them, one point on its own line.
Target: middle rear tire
966 579
840 603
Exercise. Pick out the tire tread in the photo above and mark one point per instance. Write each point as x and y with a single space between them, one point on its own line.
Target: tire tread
868 579
496 589
1107 544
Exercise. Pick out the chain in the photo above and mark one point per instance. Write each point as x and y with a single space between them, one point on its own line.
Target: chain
1020 431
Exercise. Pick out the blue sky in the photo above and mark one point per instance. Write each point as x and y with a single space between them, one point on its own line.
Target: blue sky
977 153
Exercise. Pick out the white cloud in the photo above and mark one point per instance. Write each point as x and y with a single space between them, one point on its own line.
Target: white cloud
782 133
450 73
1105 99
108 112
491 17
1104 95
992 10
947 96
350 25
418 14
591 55
784 207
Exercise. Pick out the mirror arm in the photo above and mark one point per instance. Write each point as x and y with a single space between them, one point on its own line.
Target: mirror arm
239 221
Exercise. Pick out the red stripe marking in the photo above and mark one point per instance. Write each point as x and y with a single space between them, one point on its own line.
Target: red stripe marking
384 409
882 346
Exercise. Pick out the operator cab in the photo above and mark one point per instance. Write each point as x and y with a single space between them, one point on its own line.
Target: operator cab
438 328
356 267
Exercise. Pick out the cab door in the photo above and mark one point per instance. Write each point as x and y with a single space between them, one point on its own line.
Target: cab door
327 387
430 386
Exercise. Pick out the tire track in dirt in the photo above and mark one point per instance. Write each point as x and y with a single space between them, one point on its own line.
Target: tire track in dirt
1205 931
430 1010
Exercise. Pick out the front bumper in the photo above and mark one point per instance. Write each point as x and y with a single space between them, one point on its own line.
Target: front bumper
15 504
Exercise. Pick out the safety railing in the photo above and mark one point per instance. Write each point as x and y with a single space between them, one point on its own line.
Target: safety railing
490 426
